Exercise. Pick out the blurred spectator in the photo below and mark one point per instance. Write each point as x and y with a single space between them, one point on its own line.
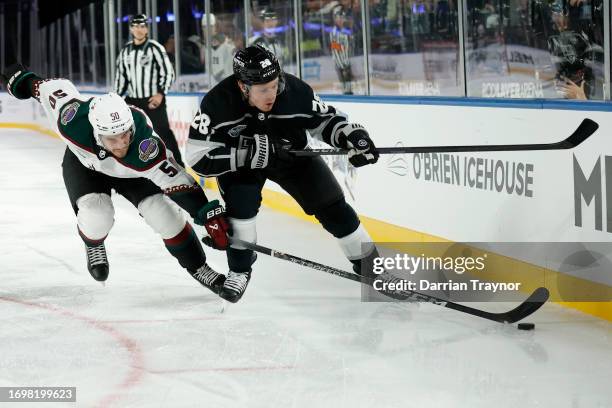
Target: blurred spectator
223 49
570 50
190 54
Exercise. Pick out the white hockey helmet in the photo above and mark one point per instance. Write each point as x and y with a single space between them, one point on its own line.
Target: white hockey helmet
109 115
204 21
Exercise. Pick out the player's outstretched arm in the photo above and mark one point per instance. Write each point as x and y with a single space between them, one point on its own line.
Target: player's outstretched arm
53 94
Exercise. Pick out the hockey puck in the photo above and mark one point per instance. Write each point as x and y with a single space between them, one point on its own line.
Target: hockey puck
526 326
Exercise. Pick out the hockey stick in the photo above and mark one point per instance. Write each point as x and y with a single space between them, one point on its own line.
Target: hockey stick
529 306
586 129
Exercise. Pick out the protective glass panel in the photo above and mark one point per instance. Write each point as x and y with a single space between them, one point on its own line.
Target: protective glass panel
273 26
414 48
332 47
535 48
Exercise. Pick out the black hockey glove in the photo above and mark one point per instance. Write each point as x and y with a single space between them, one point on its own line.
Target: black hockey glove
17 80
262 153
361 148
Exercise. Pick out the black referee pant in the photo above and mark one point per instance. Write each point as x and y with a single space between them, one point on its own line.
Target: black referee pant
159 118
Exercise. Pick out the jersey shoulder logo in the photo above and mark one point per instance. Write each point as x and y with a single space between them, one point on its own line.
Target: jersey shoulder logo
236 130
69 113
148 149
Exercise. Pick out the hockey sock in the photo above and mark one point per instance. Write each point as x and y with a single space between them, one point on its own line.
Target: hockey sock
240 260
186 248
88 241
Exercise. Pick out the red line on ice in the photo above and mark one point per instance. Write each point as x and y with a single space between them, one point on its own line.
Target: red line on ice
135 354
225 369
161 320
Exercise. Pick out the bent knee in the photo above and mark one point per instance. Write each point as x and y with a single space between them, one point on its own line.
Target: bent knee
161 215
95 215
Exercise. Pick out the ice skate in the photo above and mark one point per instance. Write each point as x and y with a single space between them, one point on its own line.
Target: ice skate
209 278
235 285
97 262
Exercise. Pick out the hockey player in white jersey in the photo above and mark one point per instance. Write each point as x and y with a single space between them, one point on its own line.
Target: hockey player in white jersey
111 145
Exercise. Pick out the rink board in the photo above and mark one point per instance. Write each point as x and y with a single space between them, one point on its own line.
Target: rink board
455 197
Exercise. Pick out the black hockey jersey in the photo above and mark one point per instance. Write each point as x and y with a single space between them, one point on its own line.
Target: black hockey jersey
226 122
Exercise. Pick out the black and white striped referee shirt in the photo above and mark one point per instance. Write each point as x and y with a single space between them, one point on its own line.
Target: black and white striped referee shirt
143 70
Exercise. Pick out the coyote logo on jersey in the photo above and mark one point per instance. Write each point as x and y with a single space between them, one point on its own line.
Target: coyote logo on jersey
148 149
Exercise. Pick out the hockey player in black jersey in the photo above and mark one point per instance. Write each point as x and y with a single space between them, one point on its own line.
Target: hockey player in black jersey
111 145
242 134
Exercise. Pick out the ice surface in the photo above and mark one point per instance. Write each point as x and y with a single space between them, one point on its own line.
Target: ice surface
299 338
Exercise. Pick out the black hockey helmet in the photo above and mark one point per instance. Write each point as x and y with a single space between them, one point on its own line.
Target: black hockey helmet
267 14
256 65
139 19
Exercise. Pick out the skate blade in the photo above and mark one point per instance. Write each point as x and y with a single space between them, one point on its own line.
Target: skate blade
224 306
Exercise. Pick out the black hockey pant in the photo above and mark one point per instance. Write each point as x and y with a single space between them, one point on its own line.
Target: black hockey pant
308 180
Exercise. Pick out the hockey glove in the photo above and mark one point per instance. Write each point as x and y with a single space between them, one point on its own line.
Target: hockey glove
17 80
361 148
212 217
262 153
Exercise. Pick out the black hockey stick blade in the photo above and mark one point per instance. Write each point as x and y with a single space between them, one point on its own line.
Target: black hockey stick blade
529 306
535 301
584 130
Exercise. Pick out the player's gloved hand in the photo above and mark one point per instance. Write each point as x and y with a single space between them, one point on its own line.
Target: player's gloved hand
262 153
16 78
212 217
361 148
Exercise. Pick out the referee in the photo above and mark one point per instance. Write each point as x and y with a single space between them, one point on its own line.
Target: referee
144 74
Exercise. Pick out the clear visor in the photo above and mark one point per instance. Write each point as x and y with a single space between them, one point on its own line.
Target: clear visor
117 141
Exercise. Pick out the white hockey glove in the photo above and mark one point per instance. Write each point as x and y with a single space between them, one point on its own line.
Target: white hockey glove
361 148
